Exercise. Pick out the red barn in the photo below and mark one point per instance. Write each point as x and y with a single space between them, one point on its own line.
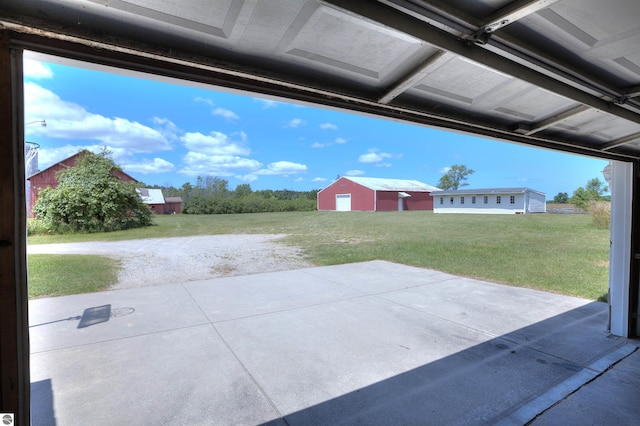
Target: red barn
374 194
47 177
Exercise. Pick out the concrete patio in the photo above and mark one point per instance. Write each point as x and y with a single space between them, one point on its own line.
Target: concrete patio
367 343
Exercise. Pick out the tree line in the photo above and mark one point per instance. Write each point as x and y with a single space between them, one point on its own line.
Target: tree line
211 195
593 191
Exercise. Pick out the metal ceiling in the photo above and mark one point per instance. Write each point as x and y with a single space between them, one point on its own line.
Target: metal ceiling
563 74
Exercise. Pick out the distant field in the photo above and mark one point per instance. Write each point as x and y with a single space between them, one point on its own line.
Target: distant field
558 253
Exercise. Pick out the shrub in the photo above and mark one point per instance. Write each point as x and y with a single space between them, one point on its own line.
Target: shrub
600 213
89 198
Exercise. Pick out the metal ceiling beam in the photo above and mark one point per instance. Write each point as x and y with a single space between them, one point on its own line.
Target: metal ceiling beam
414 76
619 142
509 14
465 26
530 129
402 22
632 92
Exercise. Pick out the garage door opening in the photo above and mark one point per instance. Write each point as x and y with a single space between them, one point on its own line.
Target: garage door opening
212 160
413 238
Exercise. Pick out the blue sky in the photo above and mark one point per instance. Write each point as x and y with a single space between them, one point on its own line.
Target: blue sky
168 134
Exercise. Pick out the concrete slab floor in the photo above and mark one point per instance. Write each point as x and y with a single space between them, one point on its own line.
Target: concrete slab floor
368 343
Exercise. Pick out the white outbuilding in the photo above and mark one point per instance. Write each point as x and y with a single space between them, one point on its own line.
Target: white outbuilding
490 201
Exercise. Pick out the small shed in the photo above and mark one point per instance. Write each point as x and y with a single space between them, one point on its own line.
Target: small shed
172 205
376 194
158 203
153 198
490 201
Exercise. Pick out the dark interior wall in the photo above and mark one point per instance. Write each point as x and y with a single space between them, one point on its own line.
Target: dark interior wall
14 331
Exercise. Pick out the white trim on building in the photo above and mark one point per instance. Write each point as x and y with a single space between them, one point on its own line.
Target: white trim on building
490 201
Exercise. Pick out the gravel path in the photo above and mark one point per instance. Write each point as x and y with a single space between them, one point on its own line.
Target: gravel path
157 261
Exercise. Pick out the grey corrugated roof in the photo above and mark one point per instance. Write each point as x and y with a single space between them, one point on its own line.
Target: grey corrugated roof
485 191
173 199
380 184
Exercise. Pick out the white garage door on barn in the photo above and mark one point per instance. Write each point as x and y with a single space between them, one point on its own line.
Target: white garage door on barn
343 202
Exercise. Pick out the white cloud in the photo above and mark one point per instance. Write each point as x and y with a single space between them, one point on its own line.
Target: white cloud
157 165
354 172
36 70
215 143
226 114
216 154
201 164
444 170
166 127
319 179
206 101
247 178
242 135
296 122
282 168
373 156
328 126
67 120
299 179
267 103
337 141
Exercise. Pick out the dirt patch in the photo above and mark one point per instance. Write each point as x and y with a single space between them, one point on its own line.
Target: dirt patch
157 261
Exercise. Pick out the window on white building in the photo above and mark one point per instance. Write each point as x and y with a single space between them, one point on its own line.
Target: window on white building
498 199
512 199
473 200
461 200
486 199
451 200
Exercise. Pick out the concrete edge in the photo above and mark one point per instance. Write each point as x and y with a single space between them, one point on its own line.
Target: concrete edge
528 412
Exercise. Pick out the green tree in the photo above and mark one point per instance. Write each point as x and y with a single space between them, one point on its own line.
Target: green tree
90 198
561 198
597 188
455 177
593 191
242 190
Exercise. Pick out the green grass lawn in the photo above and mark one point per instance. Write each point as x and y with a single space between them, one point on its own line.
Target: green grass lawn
64 274
558 253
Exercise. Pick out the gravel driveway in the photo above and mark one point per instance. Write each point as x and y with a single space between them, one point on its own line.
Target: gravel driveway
157 261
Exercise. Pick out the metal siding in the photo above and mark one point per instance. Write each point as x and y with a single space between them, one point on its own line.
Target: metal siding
47 178
361 198
386 201
173 207
537 203
492 207
419 201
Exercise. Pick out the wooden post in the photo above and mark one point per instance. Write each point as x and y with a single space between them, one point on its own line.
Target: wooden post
14 330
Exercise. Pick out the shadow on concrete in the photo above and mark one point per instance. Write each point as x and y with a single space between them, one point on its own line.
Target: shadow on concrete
42 411
92 316
483 384
95 315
